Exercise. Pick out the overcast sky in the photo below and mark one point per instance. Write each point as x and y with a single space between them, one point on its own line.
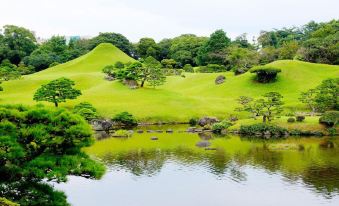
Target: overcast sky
160 19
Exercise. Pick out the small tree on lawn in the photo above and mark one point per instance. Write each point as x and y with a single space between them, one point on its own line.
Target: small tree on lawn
267 107
309 98
57 91
271 105
151 72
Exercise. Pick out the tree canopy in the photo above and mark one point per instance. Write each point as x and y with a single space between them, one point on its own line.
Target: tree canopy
57 91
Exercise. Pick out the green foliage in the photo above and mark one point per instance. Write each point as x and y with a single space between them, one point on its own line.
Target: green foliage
193 121
184 49
300 118
119 65
262 129
42 144
188 68
241 58
218 127
173 72
86 110
265 74
8 71
211 68
147 47
268 54
330 118
327 96
125 119
309 98
332 131
288 50
267 107
116 39
109 71
291 119
168 63
17 43
151 72
57 91
212 51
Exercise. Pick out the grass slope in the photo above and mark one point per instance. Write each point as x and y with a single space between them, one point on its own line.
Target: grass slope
179 99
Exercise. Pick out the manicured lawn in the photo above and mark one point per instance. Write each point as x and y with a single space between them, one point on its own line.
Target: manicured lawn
178 100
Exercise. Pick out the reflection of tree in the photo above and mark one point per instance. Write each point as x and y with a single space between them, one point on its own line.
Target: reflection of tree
139 162
324 180
263 157
32 193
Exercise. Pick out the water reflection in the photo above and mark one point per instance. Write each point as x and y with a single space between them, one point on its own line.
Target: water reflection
300 169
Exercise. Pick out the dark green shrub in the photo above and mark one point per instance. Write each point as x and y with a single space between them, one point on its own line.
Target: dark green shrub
212 68
125 119
173 72
86 110
193 121
300 118
262 128
119 65
265 74
109 70
332 131
218 127
188 68
291 120
330 118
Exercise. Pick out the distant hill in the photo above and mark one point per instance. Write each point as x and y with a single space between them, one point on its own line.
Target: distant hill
178 100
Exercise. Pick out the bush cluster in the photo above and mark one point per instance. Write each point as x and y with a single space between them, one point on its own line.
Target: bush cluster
86 110
125 119
265 74
300 118
262 128
212 68
291 119
330 118
218 127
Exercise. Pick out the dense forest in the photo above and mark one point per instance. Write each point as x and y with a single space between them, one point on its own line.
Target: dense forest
20 53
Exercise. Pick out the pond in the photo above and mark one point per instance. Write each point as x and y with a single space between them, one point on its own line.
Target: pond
176 169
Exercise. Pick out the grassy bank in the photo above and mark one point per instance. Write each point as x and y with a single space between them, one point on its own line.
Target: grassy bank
178 100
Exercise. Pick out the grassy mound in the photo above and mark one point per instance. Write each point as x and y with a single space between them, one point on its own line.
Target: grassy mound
178 100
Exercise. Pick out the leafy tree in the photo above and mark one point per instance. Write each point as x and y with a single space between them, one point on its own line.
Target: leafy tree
241 58
330 118
116 39
184 49
147 47
268 39
8 71
119 65
212 51
268 54
309 98
151 72
168 63
327 97
188 68
39 144
125 119
267 107
164 49
57 91
109 70
242 42
16 43
265 74
86 110
53 50
288 50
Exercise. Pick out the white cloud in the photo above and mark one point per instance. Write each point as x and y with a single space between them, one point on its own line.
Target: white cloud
160 19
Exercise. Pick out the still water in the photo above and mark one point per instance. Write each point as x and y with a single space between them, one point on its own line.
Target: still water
173 170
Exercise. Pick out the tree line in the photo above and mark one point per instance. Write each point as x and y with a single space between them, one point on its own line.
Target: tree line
312 42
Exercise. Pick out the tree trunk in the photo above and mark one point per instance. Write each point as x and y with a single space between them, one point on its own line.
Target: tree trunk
56 104
142 83
264 119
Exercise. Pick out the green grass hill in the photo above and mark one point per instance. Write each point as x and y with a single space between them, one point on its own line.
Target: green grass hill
178 100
